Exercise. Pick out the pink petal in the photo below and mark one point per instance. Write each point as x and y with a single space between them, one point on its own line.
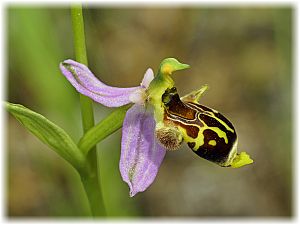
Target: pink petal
87 84
148 77
141 155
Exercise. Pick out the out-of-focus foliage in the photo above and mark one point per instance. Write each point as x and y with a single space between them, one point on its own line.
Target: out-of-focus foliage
245 56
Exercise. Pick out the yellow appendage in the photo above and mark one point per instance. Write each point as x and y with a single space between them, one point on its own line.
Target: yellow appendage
240 160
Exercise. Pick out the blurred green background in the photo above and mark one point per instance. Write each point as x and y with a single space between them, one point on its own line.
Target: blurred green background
243 53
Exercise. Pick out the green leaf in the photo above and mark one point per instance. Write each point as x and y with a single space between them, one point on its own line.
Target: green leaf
104 128
49 133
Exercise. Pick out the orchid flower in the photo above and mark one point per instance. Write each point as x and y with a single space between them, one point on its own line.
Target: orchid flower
154 122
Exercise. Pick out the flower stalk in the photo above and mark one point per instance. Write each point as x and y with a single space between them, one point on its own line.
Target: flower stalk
89 177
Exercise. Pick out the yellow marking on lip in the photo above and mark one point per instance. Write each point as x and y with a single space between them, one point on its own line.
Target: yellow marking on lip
199 140
219 120
212 142
212 115
219 132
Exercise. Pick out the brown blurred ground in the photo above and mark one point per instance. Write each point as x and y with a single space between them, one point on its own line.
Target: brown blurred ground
244 54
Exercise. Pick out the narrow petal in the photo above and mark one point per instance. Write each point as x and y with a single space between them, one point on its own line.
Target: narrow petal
87 84
148 77
141 155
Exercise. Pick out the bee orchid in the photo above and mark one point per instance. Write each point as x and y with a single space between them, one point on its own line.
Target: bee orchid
158 121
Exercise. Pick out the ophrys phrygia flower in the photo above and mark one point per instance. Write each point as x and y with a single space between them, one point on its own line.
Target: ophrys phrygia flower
160 120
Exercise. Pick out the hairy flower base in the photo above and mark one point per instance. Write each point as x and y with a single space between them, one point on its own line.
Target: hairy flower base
168 136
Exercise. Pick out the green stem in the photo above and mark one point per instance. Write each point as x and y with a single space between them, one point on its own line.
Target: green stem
89 178
90 181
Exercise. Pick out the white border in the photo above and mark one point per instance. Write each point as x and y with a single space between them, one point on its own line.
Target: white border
169 3
295 115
